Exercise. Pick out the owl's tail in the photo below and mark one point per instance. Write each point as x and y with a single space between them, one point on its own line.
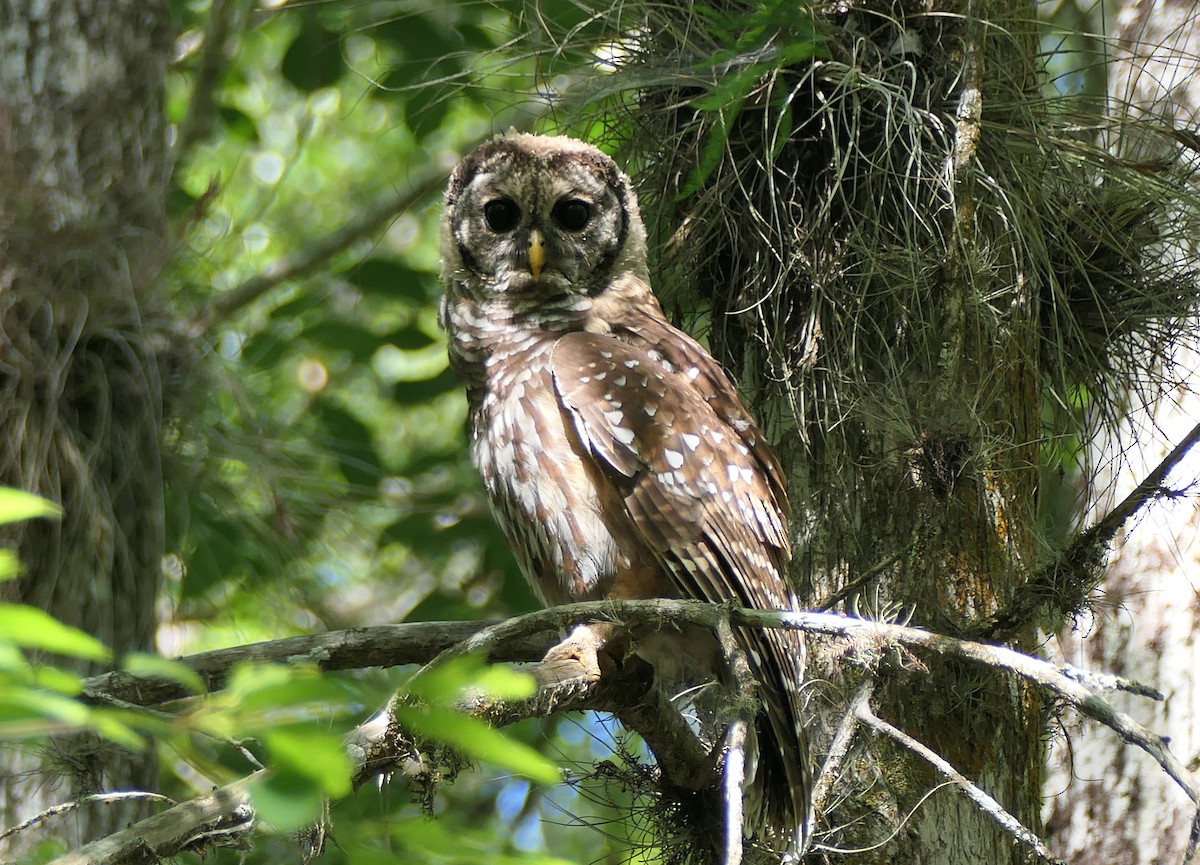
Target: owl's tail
779 780
781 787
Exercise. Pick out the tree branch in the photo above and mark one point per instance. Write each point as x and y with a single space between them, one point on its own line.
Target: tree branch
222 818
320 250
1065 583
627 690
354 648
513 638
977 795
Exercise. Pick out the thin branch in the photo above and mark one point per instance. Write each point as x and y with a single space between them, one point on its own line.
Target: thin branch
214 57
354 648
1189 853
319 250
1065 583
839 748
222 818
92 799
1149 489
380 745
977 795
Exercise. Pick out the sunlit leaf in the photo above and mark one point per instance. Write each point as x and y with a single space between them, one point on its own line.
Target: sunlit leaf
317 754
10 565
18 505
145 664
287 801
32 628
477 740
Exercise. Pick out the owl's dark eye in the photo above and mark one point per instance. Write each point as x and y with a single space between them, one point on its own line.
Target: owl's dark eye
501 214
572 214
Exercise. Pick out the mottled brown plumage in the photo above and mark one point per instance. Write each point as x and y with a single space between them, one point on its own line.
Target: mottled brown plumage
617 455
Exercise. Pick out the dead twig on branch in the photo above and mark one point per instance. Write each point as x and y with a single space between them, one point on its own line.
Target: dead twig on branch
980 797
1065 583
222 818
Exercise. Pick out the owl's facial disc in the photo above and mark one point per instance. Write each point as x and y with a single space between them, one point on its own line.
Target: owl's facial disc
540 227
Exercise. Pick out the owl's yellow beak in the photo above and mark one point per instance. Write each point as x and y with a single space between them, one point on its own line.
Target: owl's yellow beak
537 254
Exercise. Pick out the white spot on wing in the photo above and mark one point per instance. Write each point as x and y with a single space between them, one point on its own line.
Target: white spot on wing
692 441
674 458
623 435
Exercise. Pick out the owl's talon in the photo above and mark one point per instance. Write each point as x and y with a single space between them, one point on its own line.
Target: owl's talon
581 652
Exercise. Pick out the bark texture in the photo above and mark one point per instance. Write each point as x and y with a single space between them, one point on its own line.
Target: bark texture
867 282
1104 803
83 341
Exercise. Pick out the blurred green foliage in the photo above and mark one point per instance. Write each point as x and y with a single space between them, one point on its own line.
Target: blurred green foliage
321 478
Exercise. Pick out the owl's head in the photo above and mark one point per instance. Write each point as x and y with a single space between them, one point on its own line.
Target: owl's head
530 216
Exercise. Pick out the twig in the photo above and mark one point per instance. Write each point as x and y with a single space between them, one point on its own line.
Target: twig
1150 488
92 799
354 648
320 250
1109 682
838 749
220 818
871 637
1189 853
627 691
981 798
197 123
733 767
1067 580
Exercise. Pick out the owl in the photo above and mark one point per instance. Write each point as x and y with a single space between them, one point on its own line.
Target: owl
618 458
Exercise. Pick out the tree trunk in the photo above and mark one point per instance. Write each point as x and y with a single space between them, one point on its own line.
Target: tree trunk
1105 803
890 323
82 340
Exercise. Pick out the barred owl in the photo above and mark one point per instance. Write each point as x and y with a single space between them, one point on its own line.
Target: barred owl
618 458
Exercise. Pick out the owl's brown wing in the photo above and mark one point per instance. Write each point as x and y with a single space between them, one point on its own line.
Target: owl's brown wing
704 492
697 493
651 331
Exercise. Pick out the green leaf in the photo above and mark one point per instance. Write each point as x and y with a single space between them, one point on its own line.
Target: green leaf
317 754
314 59
446 682
354 339
146 664
476 739
238 124
392 280
268 695
32 628
56 679
13 663
419 392
287 801
10 565
16 505
353 443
